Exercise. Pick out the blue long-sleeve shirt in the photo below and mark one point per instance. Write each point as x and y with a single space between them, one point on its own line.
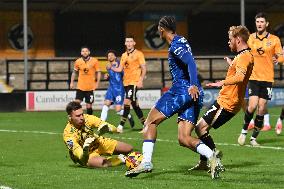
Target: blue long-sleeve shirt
182 65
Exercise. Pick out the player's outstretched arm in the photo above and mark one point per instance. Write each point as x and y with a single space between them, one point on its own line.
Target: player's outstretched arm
143 74
98 78
228 60
73 76
118 69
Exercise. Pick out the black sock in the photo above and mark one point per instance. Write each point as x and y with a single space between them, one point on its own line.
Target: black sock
282 114
90 111
138 111
208 140
247 118
258 123
124 117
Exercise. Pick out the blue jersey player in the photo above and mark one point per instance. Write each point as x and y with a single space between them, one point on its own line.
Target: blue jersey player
115 92
184 98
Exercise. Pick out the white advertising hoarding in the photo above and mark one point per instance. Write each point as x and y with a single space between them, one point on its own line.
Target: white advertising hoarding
57 100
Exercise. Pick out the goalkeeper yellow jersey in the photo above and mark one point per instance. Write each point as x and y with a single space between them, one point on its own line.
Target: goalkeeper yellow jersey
74 138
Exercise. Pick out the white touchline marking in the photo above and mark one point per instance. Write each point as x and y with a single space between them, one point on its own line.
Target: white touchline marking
130 138
5 187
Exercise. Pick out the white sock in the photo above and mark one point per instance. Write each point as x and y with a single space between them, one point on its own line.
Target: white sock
266 119
148 147
104 112
204 150
252 138
244 132
129 116
120 112
279 121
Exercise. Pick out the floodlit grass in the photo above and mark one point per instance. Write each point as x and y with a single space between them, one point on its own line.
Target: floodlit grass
33 155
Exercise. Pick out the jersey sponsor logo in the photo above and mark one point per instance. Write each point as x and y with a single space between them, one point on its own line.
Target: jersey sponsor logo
178 51
86 70
70 144
260 51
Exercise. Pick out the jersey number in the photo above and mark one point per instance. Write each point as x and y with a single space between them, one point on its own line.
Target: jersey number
269 92
260 51
211 110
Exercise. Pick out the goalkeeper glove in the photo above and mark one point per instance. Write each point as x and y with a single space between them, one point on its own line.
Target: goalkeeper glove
103 129
87 143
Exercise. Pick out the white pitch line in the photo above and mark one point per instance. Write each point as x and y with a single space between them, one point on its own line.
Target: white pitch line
5 187
130 138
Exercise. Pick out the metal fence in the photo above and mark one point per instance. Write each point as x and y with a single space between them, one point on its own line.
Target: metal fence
59 70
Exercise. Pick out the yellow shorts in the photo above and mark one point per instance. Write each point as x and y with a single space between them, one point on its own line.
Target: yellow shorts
106 147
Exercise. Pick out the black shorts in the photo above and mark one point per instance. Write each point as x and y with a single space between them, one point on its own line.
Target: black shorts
217 116
262 89
88 95
130 92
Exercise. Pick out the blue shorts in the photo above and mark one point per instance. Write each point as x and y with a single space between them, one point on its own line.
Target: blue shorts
115 95
247 93
187 109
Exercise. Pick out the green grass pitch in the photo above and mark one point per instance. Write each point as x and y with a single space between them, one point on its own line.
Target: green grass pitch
33 155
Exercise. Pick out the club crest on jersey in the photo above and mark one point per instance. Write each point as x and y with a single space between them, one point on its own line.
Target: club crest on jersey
268 43
183 40
70 143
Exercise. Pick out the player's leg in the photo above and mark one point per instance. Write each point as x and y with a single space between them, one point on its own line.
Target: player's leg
185 129
105 109
262 103
252 104
245 106
89 99
136 107
253 91
164 108
98 162
266 121
150 134
122 148
278 127
126 107
215 117
79 96
265 94
107 103
118 101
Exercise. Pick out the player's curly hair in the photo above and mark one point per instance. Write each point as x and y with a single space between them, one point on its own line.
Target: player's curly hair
168 22
73 106
239 31
111 51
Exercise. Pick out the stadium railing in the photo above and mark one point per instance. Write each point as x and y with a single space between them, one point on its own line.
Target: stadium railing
55 73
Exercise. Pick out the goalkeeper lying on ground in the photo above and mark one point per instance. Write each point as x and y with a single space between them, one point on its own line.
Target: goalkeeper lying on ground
82 136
